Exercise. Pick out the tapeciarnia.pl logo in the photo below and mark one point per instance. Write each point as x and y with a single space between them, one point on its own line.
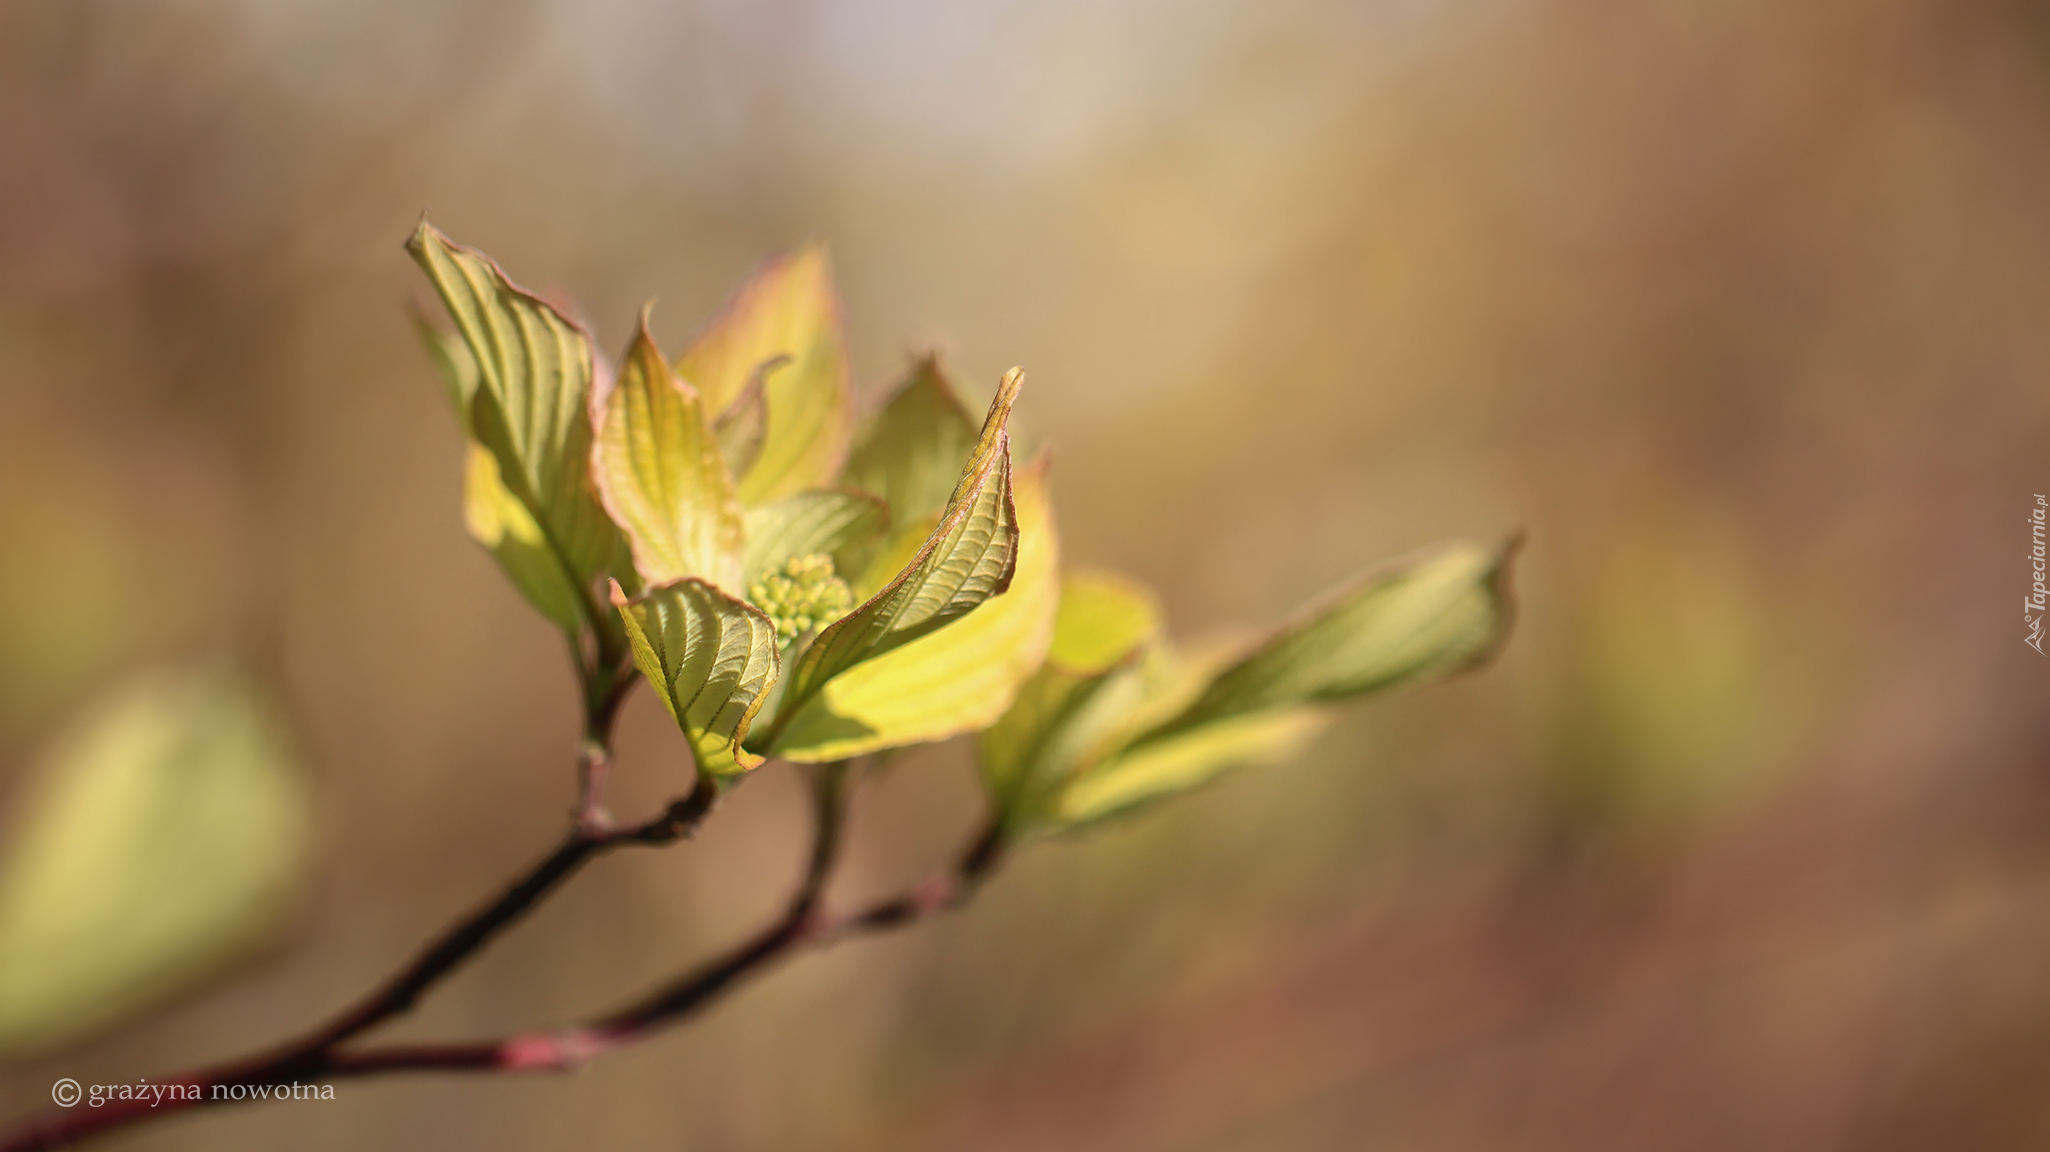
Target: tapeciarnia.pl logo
2037 602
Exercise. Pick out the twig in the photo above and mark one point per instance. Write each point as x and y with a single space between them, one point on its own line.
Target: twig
320 1056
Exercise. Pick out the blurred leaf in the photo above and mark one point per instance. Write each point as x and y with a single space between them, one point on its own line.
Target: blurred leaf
744 424
837 523
968 558
164 838
1412 621
1677 699
660 474
712 660
955 680
917 446
529 406
1179 762
1104 620
1102 624
1093 746
788 309
452 362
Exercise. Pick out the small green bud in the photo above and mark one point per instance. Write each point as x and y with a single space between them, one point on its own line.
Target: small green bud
802 595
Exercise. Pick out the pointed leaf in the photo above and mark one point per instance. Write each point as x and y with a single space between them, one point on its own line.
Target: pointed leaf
1418 619
917 446
788 309
163 838
968 558
661 477
957 679
529 406
712 660
838 523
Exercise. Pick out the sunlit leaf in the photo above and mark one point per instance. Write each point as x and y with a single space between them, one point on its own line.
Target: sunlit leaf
1102 623
744 424
837 523
529 405
916 448
660 474
163 838
968 558
957 679
712 660
452 363
788 309
503 525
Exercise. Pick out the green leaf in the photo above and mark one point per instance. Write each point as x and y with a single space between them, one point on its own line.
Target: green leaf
838 523
1104 620
968 558
917 447
452 362
711 658
957 679
163 838
1182 761
502 524
1417 619
495 518
745 423
529 404
788 309
1103 624
1080 746
660 474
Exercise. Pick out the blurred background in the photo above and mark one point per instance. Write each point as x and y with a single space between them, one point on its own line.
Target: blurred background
1738 307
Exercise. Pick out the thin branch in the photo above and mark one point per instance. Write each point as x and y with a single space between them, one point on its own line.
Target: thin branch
319 1058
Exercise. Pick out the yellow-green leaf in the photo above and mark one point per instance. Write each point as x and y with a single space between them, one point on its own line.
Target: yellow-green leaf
502 524
163 838
711 658
529 406
917 447
957 679
452 362
968 558
1184 760
1417 619
660 474
1103 623
838 523
788 309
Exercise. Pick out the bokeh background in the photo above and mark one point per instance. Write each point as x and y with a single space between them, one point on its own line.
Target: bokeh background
1738 307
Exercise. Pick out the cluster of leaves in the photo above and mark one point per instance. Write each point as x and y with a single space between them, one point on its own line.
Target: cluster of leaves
794 590
789 585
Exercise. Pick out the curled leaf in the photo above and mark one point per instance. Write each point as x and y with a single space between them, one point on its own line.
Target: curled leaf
710 658
958 679
968 558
